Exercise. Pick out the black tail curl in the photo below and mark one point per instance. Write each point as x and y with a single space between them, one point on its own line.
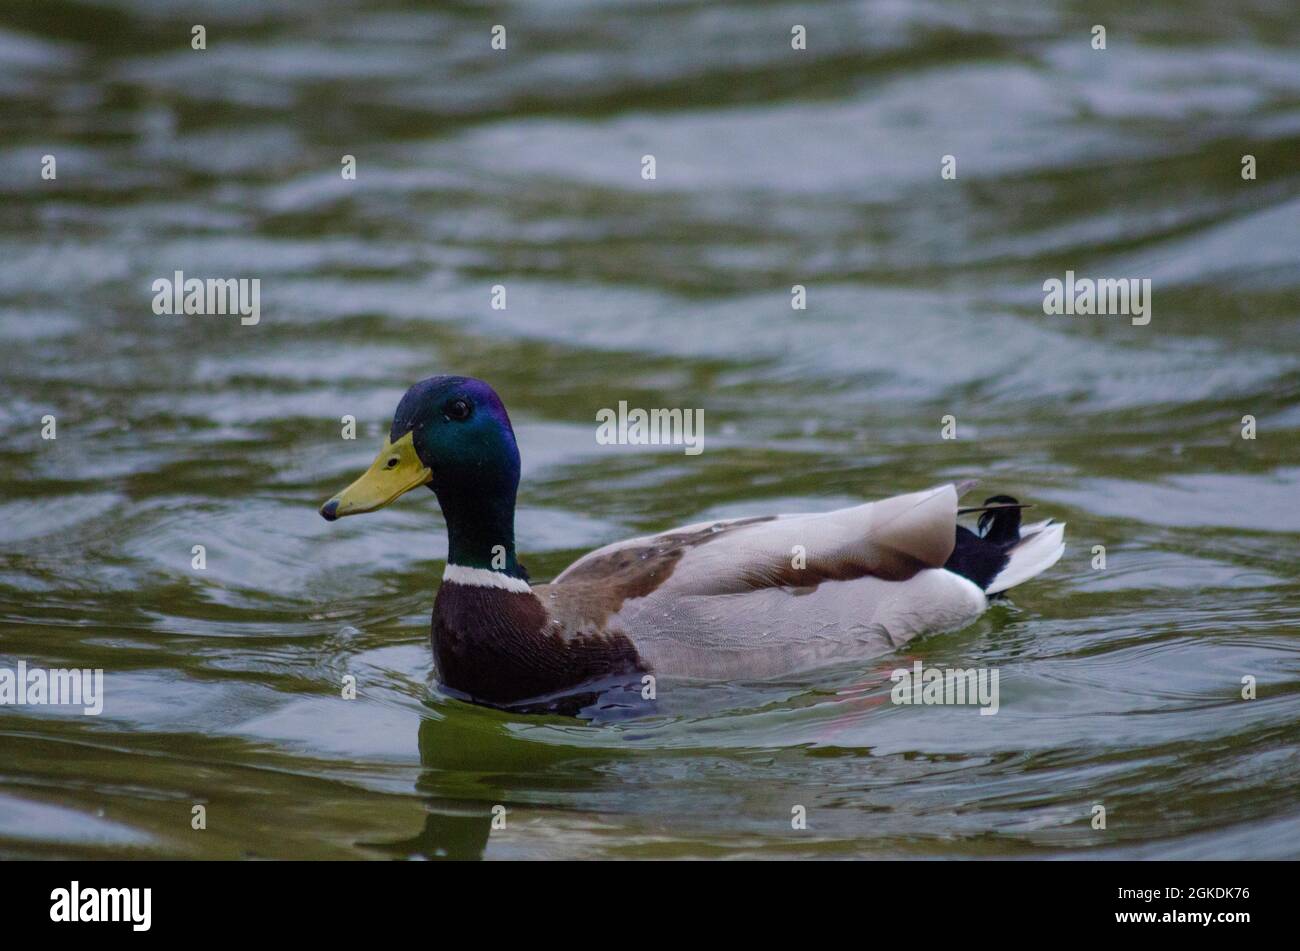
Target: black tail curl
980 557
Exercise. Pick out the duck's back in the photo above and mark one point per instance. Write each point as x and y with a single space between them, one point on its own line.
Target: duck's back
764 596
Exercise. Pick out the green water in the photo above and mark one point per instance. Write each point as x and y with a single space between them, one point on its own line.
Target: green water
1119 687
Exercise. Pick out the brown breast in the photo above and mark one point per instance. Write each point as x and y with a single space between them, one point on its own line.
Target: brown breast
503 647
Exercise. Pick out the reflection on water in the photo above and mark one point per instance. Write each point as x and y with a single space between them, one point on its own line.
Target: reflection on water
1118 686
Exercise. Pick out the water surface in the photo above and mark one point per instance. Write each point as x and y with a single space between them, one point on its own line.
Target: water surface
1119 687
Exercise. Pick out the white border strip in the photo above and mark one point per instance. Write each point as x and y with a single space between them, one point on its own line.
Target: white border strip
483 578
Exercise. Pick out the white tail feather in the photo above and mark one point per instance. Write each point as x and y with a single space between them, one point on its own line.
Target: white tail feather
1040 547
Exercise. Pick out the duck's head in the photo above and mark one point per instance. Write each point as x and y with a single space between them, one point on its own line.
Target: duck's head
450 433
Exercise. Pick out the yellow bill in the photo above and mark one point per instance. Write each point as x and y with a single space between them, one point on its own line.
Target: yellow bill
396 470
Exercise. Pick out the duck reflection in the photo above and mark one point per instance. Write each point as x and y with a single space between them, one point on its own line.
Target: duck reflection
471 751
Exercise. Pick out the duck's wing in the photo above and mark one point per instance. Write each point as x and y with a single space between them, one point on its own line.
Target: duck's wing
755 597
891 539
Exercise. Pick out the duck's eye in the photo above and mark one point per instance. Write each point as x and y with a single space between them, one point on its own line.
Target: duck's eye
391 463
457 409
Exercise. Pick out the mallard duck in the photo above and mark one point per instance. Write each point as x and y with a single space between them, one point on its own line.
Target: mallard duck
744 598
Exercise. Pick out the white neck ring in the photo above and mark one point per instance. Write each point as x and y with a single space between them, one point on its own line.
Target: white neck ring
485 578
